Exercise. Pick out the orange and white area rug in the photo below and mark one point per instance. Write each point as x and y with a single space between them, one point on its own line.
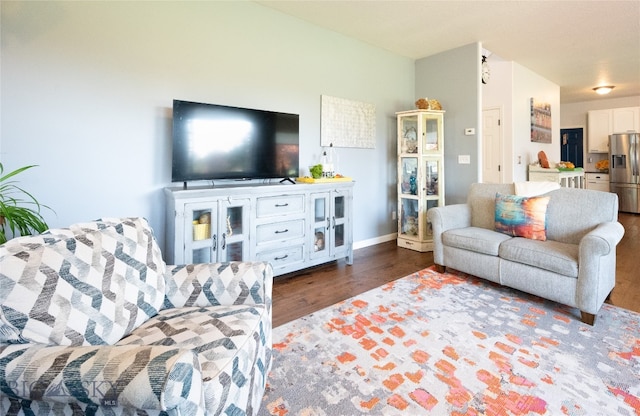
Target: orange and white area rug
452 344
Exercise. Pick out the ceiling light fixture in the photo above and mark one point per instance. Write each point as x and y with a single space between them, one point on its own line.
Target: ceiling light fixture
604 89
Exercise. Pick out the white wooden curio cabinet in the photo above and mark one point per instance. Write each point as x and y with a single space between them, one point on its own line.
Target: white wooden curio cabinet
420 175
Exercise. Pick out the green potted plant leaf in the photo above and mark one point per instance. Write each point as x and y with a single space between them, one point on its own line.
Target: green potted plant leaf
19 210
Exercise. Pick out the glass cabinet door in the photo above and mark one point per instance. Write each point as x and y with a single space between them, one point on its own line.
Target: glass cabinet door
218 232
200 239
432 192
431 133
234 231
321 224
409 218
329 224
431 169
338 221
408 134
409 175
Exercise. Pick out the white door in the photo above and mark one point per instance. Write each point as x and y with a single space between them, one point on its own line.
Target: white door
492 165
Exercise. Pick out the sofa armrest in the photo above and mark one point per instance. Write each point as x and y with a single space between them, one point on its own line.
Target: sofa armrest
597 265
131 376
207 284
445 218
602 240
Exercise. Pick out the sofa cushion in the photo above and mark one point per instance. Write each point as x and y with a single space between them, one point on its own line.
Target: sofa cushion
557 257
475 239
520 216
85 285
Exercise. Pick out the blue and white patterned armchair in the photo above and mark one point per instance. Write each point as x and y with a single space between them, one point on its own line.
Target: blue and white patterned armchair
92 321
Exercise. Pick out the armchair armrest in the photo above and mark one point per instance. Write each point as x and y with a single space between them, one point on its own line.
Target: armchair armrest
142 377
207 284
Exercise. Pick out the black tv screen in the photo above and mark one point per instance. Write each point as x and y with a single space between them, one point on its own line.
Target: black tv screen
213 141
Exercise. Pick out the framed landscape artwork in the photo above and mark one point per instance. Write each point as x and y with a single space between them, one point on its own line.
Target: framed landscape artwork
540 122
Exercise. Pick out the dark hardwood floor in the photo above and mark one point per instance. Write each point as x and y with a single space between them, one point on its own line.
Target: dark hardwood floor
298 294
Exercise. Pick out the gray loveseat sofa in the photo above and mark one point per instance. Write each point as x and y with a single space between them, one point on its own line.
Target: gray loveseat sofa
575 265
92 321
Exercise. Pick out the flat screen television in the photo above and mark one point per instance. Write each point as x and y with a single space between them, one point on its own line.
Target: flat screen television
213 141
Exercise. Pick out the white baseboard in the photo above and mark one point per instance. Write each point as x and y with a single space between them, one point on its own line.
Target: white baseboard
374 241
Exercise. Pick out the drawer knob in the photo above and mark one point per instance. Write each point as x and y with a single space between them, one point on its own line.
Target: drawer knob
286 230
282 205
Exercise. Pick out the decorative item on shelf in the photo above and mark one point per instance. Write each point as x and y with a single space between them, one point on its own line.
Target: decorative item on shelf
565 166
434 104
336 178
319 241
413 185
410 140
411 225
428 104
603 165
542 158
422 104
202 227
316 171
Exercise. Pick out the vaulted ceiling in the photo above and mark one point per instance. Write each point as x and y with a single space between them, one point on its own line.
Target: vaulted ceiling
576 44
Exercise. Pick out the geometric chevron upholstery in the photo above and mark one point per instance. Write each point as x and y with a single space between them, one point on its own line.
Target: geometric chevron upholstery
89 287
92 321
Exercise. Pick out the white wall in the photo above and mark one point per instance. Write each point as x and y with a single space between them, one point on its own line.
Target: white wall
87 89
527 85
497 93
511 88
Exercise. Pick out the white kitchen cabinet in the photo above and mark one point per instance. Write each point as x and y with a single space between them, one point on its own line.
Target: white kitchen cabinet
602 123
625 119
597 181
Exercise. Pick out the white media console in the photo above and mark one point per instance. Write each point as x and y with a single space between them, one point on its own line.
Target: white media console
291 226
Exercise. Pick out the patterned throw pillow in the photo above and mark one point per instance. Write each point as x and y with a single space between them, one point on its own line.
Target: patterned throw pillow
520 216
90 284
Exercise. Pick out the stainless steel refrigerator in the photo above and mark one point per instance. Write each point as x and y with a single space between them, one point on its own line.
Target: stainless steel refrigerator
624 170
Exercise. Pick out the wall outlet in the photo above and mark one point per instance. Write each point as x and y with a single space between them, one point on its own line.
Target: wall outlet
464 159
393 215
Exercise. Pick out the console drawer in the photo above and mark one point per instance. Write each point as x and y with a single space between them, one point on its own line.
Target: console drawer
282 257
279 231
279 205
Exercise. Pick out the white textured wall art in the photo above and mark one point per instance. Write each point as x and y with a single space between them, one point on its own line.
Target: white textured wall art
347 123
